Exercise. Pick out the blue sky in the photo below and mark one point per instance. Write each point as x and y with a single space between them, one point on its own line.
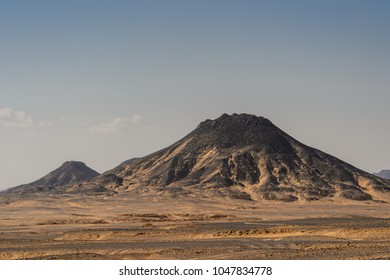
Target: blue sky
104 81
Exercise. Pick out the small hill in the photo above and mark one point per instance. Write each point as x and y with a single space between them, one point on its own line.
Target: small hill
383 174
69 173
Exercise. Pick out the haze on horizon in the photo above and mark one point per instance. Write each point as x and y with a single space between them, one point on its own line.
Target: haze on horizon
105 81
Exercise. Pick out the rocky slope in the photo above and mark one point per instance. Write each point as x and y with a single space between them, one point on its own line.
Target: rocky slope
243 157
69 173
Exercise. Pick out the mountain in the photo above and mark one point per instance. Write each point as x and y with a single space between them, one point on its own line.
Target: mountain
70 172
243 157
383 174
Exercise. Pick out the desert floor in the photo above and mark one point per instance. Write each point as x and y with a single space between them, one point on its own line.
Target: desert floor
122 227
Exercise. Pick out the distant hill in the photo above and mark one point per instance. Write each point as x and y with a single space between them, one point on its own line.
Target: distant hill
240 157
69 173
383 174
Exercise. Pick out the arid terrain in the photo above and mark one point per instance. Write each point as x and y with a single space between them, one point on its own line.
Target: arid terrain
237 187
122 227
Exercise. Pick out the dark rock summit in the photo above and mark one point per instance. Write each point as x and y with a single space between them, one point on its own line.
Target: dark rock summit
70 172
244 157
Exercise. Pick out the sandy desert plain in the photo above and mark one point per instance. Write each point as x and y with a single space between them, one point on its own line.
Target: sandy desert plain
123 227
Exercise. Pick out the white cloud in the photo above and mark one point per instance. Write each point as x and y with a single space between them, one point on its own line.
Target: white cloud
13 119
114 125
44 123
135 118
109 126
81 123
